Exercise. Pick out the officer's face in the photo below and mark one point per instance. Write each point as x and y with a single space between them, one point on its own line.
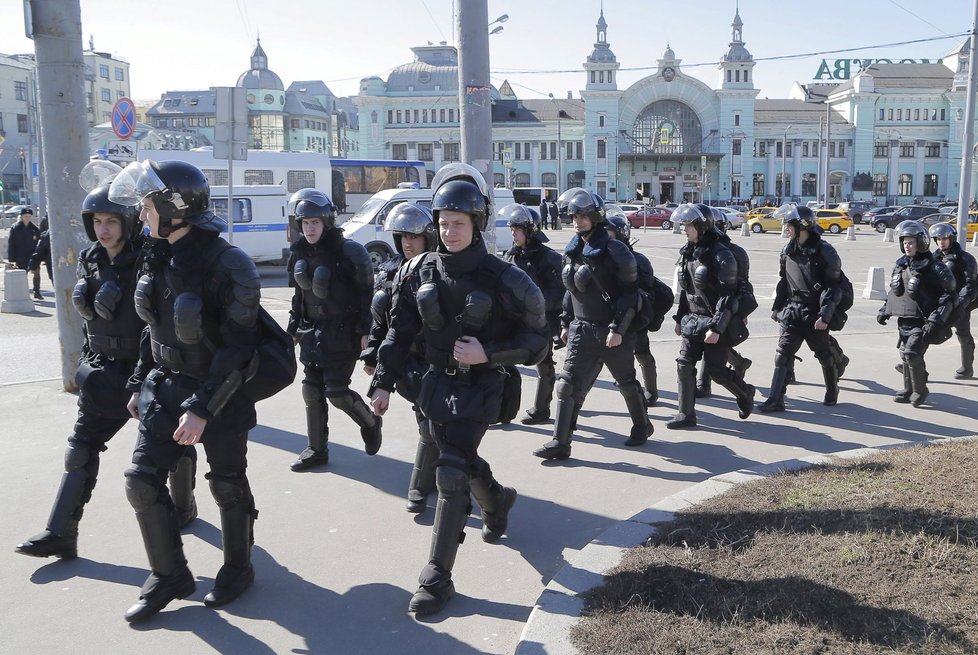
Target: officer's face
691 234
108 229
909 246
944 243
150 217
412 245
582 222
519 236
312 229
455 229
791 230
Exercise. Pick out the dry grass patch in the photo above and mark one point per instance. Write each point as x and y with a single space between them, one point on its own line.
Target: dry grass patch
876 556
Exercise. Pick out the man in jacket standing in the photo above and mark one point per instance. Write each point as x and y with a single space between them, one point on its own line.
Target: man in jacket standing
21 244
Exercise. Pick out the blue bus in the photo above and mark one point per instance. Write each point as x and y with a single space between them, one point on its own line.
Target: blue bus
356 180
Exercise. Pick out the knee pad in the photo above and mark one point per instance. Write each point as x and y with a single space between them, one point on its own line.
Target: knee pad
685 369
77 456
342 399
451 480
564 388
311 395
142 488
228 492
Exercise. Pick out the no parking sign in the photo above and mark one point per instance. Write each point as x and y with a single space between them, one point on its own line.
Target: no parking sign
123 118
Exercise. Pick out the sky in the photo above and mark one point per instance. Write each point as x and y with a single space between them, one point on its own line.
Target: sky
184 44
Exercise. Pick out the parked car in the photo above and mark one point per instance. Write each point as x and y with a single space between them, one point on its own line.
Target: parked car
870 216
613 209
758 222
907 212
14 211
856 209
630 208
652 217
735 217
833 221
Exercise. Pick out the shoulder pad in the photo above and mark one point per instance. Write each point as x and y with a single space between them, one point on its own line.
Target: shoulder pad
527 294
624 261
235 258
554 258
726 265
363 268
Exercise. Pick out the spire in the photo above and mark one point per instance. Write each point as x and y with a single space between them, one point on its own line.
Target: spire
259 60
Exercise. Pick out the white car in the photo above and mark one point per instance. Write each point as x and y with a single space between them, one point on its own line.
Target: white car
734 218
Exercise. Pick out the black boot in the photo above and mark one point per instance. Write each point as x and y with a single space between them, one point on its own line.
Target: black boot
903 396
170 578
967 370
635 402
646 363
560 446
775 399
540 412
237 523
739 363
704 388
317 454
182 483
495 501
61 537
369 424
841 361
423 473
918 378
686 418
831 377
742 392
436 586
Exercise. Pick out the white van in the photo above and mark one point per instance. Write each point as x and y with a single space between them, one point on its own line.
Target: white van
260 219
366 227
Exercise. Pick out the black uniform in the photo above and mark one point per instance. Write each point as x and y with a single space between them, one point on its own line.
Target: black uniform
201 305
962 266
445 296
601 278
333 282
21 243
708 301
103 296
808 289
554 216
543 265
922 297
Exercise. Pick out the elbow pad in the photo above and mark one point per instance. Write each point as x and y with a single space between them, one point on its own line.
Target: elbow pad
475 315
320 281
896 282
143 297
913 286
380 305
79 298
107 299
301 275
567 277
429 306
188 318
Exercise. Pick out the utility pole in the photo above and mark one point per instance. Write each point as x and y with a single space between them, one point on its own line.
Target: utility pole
474 99
828 135
784 154
968 145
56 30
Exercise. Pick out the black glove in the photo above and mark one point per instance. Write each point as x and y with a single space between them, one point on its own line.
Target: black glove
929 327
882 318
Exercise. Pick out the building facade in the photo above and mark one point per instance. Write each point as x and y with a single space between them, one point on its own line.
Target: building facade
18 134
106 81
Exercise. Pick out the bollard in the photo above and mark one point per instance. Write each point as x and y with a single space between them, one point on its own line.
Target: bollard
675 283
16 298
744 230
888 235
974 240
874 284
851 233
784 231
677 228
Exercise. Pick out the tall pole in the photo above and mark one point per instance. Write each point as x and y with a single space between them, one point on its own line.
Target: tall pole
828 165
474 94
560 150
784 153
967 147
56 30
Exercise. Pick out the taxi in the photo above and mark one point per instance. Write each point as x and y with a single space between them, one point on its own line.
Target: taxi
833 221
762 219
972 224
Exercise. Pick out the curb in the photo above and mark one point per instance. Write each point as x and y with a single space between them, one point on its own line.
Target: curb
559 607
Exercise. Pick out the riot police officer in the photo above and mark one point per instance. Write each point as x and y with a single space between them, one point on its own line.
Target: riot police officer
962 265
747 304
542 263
806 303
707 318
600 306
478 314
201 305
620 230
103 296
413 233
922 297
330 319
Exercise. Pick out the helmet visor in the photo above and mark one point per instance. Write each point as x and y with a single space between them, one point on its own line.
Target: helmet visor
96 173
786 213
687 213
461 171
135 182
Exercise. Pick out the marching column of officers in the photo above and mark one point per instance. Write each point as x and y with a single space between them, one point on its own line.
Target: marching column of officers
173 333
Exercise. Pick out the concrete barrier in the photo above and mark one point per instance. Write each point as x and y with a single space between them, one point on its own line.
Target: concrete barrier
784 231
974 240
675 283
888 236
875 290
851 233
677 228
16 297
744 230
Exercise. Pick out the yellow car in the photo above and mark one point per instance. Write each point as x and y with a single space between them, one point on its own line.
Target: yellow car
972 223
760 220
833 220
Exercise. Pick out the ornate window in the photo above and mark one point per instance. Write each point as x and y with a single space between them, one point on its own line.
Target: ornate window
668 127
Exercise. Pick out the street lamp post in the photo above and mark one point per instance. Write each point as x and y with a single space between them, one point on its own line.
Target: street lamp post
560 150
784 153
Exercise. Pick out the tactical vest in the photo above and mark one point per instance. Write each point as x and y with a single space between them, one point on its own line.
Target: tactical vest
340 299
701 294
902 306
118 336
800 276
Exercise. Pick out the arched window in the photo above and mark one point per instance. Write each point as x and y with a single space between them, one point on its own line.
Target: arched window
522 179
668 126
548 179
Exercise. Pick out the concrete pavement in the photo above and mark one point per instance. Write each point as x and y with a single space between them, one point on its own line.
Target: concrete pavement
336 555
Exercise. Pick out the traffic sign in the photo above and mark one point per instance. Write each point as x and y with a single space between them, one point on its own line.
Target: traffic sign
123 118
507 157
121 151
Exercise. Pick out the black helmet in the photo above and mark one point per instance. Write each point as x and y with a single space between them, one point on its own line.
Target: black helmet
312 203
915 230
526 218
581 201
699 216
942 231
461 172
408 218
464 196
178 190
621 226
97 201
791 214
720 220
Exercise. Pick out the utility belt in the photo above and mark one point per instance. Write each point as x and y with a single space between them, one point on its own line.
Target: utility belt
114 347
188 362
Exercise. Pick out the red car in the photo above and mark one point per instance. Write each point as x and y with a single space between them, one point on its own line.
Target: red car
651 217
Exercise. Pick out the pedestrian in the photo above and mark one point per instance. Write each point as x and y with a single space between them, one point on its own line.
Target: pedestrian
962 265
922 297
806 304
103 296
600 307
330 320
478 315
42 252
542 263
21 243
201 304
543 213
706 317
414 233
554 213
746 304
